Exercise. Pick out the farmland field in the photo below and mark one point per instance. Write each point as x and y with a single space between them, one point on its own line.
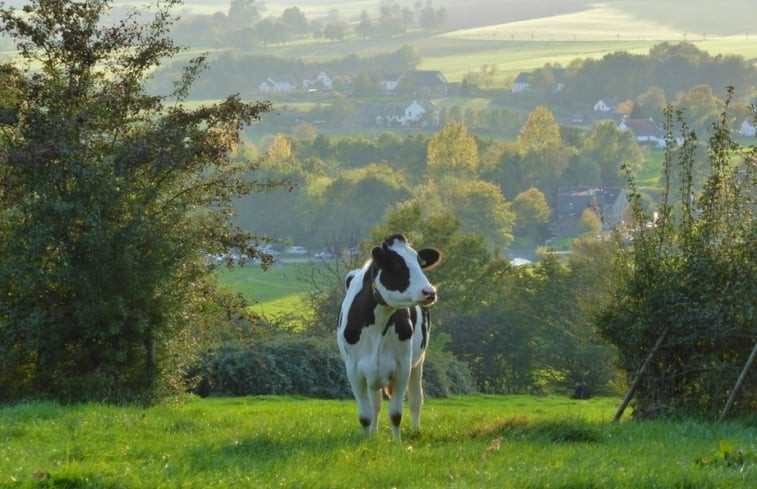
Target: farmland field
475 441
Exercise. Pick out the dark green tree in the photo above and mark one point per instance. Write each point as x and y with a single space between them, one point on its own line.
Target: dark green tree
110 200
295 21
690 280
612 148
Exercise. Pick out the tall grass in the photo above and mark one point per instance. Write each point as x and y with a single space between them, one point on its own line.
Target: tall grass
478 441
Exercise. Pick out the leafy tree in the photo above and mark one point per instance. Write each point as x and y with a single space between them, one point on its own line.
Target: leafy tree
689 282
532 212
432 19
365 28
481 208
701 106
612 148
453 151
243 13
539 130
651 103
426 222
335 31
271 31
109 202
295 21
342 210
589 224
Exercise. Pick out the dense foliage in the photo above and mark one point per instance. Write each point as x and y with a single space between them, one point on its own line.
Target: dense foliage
477 179
297 364
689 278
109 200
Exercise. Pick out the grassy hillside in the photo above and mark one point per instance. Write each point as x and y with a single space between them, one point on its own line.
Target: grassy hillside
471 442
518 36
281 290
278 290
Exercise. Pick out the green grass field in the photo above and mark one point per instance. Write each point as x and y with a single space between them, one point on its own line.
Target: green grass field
467 442
273 292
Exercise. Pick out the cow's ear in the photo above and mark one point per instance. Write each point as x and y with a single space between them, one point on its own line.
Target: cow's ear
378 255
429 258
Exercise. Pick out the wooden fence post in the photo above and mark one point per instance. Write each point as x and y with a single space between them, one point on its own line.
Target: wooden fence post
643 369
739 382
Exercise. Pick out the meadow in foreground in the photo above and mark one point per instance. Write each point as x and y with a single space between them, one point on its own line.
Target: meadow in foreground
476 441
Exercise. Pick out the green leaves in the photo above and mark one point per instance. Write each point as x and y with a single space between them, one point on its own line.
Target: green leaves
113 200
691 270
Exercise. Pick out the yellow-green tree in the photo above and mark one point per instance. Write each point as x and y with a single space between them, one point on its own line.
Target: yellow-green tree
539 131
452 151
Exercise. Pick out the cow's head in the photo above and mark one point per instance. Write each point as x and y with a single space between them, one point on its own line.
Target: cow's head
398 278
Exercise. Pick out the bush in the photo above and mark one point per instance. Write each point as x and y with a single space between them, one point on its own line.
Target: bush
306 366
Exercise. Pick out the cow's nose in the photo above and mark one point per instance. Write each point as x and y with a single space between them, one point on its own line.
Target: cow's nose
429 293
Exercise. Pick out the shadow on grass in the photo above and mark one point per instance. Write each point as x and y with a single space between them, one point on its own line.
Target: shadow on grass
519 428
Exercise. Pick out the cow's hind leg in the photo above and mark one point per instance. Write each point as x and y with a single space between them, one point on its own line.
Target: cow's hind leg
415 394
375 399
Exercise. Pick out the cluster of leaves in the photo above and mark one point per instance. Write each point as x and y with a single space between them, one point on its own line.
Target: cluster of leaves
523 329
690 277
109 201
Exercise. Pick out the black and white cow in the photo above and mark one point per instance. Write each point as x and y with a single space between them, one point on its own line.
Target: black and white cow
384 329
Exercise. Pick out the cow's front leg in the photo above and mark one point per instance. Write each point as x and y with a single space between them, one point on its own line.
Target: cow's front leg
415 394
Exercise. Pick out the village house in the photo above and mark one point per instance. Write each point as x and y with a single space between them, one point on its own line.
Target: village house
609 203
424 114
320 80
606 104
389 82
424 84
522 82
277 85
645 131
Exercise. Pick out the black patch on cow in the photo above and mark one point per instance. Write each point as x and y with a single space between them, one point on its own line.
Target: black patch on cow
403 324
360 314
365 422
396 419
395 275
424 323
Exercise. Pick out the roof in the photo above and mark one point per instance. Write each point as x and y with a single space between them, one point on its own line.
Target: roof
643 127
426 77
523 77
573 200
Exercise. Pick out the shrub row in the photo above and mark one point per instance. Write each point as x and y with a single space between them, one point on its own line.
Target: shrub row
294 365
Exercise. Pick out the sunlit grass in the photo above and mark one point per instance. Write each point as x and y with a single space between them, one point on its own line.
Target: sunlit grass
476 441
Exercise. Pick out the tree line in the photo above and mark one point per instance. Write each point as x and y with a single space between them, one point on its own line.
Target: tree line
501 190
112 199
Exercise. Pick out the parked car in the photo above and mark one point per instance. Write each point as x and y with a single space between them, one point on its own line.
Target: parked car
297 250
325 255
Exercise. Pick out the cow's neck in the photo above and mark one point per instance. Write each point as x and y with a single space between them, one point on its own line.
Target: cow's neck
374 290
